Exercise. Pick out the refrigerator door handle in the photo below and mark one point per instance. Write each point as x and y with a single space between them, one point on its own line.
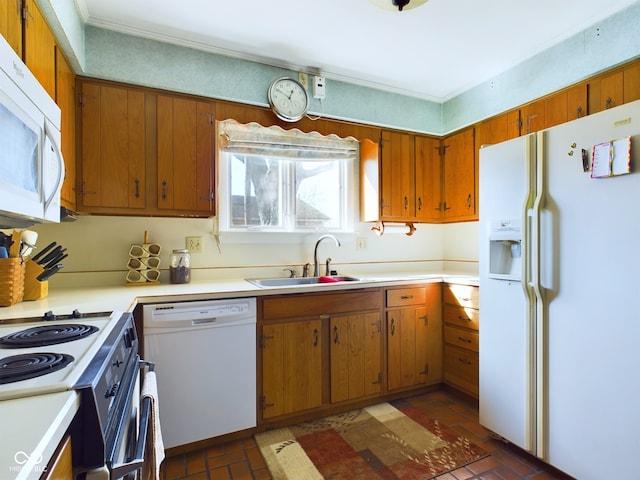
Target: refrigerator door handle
540 323
529 277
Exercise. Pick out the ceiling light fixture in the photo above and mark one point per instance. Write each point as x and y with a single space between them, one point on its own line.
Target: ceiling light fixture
399 5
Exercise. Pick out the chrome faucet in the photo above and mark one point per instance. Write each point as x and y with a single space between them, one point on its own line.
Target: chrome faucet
316 269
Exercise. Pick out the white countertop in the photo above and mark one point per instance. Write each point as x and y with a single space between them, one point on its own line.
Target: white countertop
32 428
125 298
46 417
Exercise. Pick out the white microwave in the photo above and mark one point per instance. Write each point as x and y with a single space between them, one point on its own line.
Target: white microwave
31 164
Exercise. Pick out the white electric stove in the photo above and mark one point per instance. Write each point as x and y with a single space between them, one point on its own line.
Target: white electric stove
48 354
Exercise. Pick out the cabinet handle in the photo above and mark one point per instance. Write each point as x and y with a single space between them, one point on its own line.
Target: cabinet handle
464 361
464 319
425 371
445 207
608 102
393 327
406 297
137 182
164 190
469 201
579 112
335 334
425 319
419 203
315 337
465 340
406 203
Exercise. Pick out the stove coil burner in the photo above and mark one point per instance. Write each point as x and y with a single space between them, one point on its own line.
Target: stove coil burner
31 365
45 335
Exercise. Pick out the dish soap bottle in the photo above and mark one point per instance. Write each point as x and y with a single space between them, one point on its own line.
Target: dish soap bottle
180 267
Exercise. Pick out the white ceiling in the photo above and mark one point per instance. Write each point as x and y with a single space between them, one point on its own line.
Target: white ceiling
435 51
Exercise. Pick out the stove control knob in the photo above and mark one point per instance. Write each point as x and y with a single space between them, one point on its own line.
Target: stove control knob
111 392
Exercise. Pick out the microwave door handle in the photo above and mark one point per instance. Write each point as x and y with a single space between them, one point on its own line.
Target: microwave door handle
61 169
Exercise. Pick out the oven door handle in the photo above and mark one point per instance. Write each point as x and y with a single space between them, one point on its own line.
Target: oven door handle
123 469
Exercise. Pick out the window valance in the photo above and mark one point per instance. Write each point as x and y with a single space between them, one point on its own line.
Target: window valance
255 139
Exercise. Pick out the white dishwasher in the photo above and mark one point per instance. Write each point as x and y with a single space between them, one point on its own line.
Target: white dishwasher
205 357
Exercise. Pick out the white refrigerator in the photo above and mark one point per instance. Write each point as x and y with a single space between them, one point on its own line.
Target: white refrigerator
559 264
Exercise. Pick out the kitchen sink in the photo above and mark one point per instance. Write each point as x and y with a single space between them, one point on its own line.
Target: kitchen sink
295 281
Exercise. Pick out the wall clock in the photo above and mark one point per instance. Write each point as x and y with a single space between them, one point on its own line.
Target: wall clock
288 99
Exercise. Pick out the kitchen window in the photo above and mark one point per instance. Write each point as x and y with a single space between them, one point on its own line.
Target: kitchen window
275 180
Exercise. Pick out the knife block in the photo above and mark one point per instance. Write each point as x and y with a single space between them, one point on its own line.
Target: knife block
34 289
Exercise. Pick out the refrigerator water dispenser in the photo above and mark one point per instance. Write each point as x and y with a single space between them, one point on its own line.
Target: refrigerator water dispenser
505 249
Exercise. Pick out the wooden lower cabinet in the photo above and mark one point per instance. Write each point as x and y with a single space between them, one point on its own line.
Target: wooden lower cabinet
414 336
323 352
356 369
60 466
461 337
318 349
291 367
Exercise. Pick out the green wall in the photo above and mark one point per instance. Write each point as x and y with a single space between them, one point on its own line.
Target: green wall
115 56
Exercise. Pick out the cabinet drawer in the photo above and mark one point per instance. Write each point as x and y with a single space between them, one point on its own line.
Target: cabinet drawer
461 369
461 338
309 305
463 295
406 296
462 316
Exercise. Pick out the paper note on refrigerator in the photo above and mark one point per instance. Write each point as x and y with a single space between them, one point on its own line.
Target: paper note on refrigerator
611 158
621 158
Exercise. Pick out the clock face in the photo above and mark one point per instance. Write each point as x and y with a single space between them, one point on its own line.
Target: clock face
288 99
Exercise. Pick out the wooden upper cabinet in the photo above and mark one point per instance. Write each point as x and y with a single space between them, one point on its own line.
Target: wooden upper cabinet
113 148
397 177
631 80
606 92
428 168
66 100
11 24
532 116
185 148
566 105
460 176
39 47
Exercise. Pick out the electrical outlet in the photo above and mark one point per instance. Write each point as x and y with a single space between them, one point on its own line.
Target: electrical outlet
194 244
361 243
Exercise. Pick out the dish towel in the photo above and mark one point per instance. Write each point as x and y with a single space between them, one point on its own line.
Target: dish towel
150 390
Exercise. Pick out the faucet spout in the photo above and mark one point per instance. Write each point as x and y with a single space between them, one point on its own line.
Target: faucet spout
316 268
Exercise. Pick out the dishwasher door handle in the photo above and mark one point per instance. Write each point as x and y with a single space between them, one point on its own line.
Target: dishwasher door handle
203 321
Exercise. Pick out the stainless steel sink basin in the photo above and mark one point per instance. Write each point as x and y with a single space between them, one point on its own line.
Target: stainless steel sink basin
292 282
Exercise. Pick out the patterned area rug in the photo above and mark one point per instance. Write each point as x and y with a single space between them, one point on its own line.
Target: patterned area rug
378 442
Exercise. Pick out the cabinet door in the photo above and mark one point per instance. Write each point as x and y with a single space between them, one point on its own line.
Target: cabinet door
401 348
428 169
533 117
356 369
460 176
66 100
185 154
291 367
612 91
631 78
11 24
566 105
397 177
39 47
113 147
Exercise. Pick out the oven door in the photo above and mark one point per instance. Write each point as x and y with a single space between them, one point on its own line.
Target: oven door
128 440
